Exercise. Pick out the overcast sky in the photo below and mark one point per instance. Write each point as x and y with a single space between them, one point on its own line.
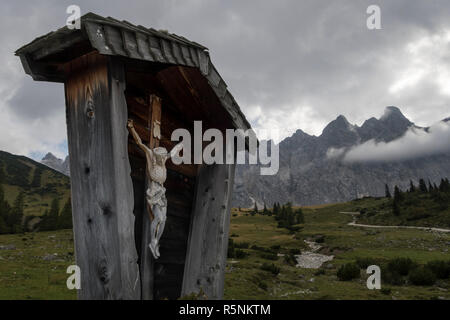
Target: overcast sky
289 63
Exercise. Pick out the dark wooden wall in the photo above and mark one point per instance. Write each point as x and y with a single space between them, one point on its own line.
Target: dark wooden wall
180 184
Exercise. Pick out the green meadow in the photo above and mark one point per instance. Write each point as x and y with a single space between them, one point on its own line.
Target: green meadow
33 265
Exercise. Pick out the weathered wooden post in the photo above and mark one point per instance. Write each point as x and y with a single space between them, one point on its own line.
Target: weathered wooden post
114 71
100 178
208 237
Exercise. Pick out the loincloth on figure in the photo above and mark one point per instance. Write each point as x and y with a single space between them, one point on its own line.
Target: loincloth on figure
156 195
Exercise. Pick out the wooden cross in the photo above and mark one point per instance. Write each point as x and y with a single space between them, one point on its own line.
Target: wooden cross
154 124
147 261
154 121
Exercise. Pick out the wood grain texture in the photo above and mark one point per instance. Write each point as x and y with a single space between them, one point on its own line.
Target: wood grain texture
102 199
147 261
208 236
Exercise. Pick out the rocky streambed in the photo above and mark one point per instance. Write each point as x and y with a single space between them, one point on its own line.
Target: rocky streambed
311 259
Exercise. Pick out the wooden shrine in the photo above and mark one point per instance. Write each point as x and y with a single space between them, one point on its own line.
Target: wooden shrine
114 71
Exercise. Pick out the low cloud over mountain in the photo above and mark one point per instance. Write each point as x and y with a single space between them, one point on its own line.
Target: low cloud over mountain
348 161
415 143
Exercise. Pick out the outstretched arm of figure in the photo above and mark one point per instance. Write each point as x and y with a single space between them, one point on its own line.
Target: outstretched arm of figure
136 137
175 150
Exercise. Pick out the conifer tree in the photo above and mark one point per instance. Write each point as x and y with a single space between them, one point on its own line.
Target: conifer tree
423 186
430 187
50 218
265 211
255 210
398 196
396 208
65 218
4 210
387 191
412 188
282 215
444 186
16 216
299 217
290 219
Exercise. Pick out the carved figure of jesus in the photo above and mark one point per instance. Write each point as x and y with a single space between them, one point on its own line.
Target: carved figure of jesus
156 193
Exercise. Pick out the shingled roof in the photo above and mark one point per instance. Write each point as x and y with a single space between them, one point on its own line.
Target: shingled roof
120 38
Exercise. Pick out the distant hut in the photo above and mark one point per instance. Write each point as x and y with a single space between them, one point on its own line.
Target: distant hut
113 71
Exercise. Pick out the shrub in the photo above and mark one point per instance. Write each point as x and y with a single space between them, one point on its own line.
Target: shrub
282 224
262 285
231 250
422 277
319 239
440 268
348 272
242 245
402 266
275 247
290 259
270 268
269 256
319 272
386 291
240 254
295 251
258 248
294 228
392 277
363 263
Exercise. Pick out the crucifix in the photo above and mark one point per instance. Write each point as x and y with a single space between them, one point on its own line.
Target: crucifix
156 174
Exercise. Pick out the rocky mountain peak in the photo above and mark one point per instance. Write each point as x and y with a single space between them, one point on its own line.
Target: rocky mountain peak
300 133
50 157
370 122
391 125
338 133
340 123
50 160
394 116
308 176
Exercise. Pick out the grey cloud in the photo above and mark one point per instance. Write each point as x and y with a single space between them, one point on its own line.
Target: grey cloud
41 99
285 57
414 144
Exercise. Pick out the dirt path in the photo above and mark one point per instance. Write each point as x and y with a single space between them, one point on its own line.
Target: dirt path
354 224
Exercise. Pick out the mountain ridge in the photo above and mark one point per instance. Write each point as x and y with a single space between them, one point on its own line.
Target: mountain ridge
51 161
39 183
307 176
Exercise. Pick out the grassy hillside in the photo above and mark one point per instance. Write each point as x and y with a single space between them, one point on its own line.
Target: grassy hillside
33 265
39 183
328 225
31 270
416 208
